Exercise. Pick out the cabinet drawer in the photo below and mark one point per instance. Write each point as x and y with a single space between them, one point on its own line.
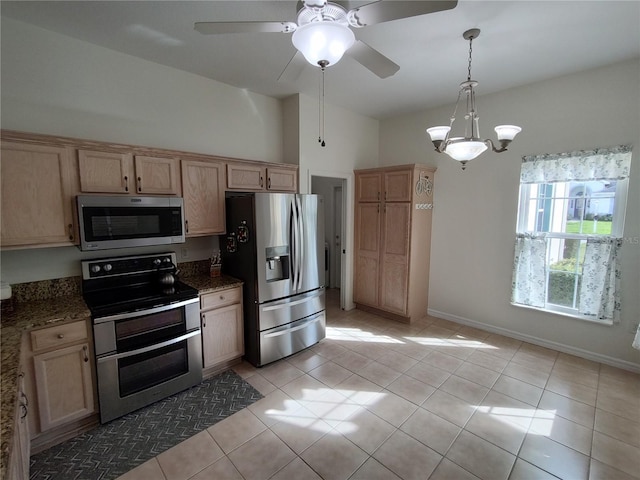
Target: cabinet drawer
58 336
221 298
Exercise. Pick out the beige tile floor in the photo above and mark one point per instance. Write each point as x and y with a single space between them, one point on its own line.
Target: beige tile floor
434 400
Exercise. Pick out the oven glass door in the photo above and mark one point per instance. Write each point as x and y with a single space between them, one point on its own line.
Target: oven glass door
140 332
146 370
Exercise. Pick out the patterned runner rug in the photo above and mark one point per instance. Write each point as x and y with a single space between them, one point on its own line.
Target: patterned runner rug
112 449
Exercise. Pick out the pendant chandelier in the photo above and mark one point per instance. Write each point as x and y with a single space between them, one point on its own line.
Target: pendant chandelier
470 146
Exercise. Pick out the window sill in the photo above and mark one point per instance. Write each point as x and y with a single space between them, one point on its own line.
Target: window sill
606 323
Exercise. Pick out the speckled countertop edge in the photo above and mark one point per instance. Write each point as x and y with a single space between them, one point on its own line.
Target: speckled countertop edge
29 315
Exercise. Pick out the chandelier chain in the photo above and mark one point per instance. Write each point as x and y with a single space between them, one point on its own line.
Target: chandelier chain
470 52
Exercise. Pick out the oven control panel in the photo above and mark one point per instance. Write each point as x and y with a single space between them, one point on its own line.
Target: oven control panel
116 266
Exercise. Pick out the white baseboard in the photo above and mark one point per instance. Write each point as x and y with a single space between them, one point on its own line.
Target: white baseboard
596 357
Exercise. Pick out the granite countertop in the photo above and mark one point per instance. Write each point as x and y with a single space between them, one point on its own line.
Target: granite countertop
28 315
207 284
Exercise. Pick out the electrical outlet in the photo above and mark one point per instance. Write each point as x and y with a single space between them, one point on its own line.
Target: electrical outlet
185 252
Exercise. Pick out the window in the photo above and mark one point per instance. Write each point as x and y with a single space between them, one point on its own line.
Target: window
569 230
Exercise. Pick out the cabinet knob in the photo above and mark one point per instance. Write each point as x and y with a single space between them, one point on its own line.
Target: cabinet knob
70 227
140 184
61 336
126 183
186 226
221 297
84 350
261 182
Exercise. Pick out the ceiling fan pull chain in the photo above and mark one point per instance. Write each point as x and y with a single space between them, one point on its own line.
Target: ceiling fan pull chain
321 109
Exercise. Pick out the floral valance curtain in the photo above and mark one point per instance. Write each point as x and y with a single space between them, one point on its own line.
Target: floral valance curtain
599 164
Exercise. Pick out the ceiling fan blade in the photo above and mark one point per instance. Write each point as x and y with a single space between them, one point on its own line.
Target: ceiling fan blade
372 59
388 10
294 68
214 28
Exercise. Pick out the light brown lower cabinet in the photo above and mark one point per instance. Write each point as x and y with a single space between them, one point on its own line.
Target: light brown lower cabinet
18 467
60 383
63 382
222 329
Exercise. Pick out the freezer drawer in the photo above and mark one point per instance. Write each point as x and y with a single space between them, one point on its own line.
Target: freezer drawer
286 340
290 309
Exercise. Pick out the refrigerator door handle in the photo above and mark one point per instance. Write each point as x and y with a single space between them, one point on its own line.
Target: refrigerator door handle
293 239
301 246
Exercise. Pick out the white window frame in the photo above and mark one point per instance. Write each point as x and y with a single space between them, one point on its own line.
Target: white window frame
617 229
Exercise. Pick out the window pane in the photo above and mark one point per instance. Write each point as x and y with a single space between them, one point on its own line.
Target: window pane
563 289
566 257
571 207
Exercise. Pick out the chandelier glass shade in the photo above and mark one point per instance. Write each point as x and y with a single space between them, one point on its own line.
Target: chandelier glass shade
471 145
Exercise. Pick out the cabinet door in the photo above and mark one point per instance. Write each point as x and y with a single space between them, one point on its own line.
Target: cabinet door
367 250
368 187
157 176
397 186
222 335
105 172
37 195
63 383
245 177
394 276
203 187
282 179
18 466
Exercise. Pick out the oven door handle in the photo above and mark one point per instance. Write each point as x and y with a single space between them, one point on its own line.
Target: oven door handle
150 348
146 311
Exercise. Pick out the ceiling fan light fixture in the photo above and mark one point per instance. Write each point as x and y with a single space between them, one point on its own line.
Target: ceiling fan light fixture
323 43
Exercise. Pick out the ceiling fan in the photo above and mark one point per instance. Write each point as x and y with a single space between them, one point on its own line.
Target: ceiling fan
323 31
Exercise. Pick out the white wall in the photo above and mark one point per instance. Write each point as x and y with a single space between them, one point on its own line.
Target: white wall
475 210
351 143
57 85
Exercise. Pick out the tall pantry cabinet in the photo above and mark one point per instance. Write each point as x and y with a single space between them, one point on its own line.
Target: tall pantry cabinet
393 240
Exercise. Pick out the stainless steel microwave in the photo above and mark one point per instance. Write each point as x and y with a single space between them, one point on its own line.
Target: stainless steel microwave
108 222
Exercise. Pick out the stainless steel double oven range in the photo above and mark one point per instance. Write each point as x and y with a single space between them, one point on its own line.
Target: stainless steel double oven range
146 333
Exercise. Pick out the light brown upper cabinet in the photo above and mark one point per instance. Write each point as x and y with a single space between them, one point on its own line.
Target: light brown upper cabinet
245 177
115 172
392 240
258 178
282 179
203 186
38 188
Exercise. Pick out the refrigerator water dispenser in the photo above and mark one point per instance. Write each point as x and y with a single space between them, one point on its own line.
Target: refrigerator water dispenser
277 264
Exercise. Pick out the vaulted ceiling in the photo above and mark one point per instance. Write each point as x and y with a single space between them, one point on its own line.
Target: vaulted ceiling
520 42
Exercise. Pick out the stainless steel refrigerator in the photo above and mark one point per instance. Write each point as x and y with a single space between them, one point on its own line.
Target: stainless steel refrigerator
275 244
